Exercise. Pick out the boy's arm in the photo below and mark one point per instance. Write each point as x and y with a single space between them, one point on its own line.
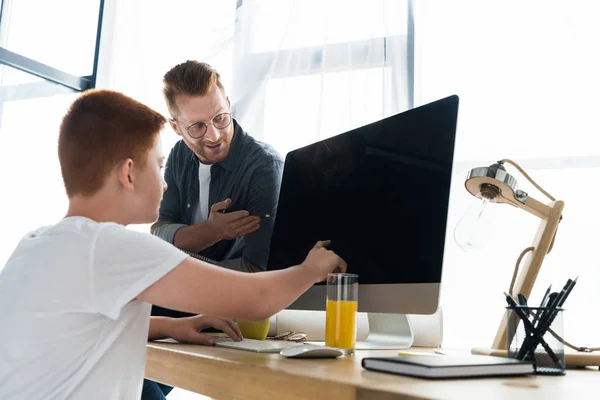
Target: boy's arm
188 330
160 328
236 264
239 264
198 287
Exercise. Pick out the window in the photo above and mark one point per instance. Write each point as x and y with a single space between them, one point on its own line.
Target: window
40 76
60 33
40 38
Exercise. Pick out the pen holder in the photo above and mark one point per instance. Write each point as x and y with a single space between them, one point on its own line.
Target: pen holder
535 334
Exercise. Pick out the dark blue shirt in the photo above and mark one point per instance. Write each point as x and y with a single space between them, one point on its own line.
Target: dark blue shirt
250 176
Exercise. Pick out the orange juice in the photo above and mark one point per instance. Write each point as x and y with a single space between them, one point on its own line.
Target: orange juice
340 324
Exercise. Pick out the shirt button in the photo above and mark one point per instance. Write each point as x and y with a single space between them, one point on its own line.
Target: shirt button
189 205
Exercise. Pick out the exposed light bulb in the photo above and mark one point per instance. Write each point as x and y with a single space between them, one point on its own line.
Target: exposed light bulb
474 229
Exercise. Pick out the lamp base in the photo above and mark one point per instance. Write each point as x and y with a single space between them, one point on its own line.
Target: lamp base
572 359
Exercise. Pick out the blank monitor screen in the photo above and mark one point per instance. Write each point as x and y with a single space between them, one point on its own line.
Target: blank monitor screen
379 193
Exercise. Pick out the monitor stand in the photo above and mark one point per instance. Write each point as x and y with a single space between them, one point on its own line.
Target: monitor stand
387 331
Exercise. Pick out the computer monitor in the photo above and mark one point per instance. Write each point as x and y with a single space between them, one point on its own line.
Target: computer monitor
380 194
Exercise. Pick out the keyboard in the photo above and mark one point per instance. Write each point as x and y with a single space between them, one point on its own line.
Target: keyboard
257 346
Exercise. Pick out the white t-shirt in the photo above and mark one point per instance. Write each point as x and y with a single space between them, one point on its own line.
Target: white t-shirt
68 326
201 211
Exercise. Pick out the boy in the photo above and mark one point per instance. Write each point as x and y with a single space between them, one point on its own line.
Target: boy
75 296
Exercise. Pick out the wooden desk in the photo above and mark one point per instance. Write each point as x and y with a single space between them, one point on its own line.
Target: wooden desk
234 374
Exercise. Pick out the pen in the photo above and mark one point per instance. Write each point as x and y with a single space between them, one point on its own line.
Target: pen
568 291
542 305
262 216
531 329
551 312
544 315
545 298
560 300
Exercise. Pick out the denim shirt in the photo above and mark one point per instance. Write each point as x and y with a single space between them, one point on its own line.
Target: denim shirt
250 176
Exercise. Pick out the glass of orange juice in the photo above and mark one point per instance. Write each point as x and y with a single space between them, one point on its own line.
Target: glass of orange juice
340 312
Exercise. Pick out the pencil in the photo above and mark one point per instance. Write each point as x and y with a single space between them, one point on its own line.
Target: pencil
265 216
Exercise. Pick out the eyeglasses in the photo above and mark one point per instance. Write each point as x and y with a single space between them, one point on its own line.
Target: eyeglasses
198 129
290 336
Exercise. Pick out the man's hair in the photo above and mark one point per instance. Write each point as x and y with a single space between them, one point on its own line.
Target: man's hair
101 128
191 78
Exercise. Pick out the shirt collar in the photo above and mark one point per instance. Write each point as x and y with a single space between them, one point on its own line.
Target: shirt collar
231 162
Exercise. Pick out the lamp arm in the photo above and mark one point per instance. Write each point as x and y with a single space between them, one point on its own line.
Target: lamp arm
552 242
527 202
535 207
522 171
540 210
542 244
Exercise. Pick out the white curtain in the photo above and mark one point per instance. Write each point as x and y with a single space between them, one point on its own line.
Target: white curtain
311 69
295 71
143 39
299 71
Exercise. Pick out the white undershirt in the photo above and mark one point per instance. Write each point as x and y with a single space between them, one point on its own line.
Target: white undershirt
201 212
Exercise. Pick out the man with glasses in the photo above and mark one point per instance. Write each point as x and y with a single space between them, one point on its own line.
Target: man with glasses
223 185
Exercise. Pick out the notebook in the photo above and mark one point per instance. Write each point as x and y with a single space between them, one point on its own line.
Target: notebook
199 257
448 366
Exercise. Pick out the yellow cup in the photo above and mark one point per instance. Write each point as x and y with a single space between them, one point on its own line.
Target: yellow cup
254 329
340 312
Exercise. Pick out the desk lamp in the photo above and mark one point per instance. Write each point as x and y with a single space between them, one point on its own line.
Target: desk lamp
494 185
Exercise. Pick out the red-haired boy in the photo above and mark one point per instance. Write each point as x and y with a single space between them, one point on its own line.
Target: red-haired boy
75 296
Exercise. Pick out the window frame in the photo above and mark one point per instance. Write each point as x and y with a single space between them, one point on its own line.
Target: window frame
41 70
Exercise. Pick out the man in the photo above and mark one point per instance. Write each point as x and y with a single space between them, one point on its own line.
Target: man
223 185
75 296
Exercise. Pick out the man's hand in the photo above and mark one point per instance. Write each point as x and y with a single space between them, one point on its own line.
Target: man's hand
187 330
231 225
324 261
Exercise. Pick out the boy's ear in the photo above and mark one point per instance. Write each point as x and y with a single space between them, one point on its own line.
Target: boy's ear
125 173
174 126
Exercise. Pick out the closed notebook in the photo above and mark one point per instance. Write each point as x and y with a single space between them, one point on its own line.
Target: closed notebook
448 366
